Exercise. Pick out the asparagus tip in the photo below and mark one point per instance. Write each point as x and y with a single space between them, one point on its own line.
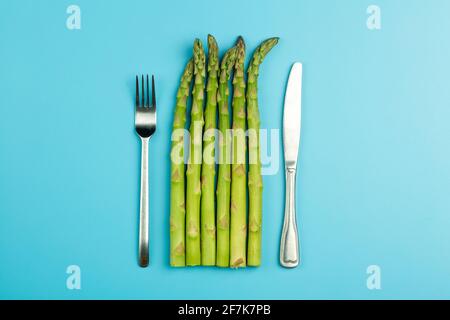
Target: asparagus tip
198 43
240 41
211 38
212 43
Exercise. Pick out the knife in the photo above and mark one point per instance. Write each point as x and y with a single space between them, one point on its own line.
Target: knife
289 248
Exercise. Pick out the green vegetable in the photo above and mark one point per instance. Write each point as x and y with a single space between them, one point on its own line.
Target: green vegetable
255 183
208 212
177 181
238 228
193 194
224 176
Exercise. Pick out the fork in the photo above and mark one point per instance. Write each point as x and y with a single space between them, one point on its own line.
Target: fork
145 123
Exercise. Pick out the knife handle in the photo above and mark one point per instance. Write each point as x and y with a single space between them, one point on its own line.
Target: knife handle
289 248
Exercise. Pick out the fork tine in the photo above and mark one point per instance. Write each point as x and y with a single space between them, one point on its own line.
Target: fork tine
143 92
153 93
148 94
137 92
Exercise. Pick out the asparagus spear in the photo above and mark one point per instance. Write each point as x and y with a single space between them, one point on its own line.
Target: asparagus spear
255 183
208 223
177 199
224 178
238 175
193 255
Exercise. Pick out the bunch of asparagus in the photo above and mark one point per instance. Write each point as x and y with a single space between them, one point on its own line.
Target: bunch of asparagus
208 229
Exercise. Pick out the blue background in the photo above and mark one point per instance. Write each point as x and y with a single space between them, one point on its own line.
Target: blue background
374 173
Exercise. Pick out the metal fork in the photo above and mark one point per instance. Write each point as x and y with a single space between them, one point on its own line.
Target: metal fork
145 123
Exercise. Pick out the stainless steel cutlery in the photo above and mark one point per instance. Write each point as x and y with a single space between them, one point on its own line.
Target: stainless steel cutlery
289 248
145 124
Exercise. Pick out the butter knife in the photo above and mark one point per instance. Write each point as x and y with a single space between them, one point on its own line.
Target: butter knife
289 247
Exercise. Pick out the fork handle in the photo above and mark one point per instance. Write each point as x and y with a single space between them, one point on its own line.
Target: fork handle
143 211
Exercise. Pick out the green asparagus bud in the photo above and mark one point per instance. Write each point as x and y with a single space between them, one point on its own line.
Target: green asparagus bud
255 183
177 180
238 228
193 194
208 212
224 176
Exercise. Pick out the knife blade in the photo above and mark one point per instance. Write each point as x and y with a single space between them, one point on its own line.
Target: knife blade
292 115
289 247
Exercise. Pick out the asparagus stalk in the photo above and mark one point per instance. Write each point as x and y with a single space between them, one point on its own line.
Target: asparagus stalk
255 183
224 176
177 180
193 194
238 228
208 212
